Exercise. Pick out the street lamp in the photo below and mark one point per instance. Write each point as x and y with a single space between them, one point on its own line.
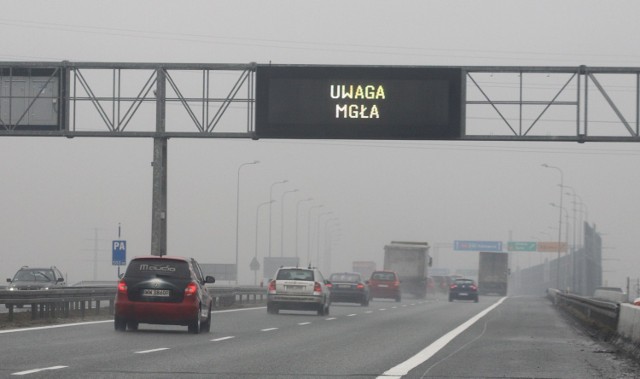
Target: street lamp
238 211
318 237
566 237
270 209
297 213
559 221
255 256
309 232
327 260
282 220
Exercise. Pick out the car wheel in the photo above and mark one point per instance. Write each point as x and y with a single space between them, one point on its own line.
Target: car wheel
476 299
206 326
326 311
398 299
321 310
194 326
450 299
132 325
120 324
365 302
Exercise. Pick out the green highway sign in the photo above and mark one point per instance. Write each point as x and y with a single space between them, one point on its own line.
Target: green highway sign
522 246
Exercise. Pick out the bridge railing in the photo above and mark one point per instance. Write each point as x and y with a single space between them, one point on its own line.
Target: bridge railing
79 300
603 314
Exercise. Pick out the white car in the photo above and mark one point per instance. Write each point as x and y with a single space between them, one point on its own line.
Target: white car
296 288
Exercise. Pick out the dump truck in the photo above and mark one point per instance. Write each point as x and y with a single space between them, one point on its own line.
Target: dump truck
493 273
411 261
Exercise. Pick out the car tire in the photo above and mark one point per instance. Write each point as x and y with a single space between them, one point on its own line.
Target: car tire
132 325
194 326
321 310
450 299
476 299
398 299
206 326
365 303
119 324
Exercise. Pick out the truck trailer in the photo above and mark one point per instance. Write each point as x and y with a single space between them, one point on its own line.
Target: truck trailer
410 260
493 273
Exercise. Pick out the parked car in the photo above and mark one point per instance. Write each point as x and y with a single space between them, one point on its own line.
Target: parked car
463 289
296 288
35 278
163 290
385 284
348 287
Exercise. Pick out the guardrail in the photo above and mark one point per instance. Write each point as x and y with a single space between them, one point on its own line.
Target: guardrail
602 313
66 301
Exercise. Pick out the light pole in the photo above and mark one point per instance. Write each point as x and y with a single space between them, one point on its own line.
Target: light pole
297 214
309 232
327 261
282 220
318 237
255 256
238 211
270 209
559 221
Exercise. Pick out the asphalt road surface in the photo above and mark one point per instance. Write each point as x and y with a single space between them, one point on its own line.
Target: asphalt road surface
497 337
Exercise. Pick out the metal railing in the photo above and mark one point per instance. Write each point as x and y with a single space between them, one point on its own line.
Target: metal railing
602 314
68 301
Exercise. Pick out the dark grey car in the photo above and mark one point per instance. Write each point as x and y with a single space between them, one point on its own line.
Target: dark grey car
33 278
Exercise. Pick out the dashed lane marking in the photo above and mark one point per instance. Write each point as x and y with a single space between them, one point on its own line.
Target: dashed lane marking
268 329
38 370
222 339
152 350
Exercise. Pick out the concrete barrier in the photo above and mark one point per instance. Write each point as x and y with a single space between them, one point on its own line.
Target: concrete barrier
629 322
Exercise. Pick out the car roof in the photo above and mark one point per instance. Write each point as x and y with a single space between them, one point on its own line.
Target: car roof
168 257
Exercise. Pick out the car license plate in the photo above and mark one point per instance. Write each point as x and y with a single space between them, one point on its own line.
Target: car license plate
294 288
383 285
344 285
152 292
463 294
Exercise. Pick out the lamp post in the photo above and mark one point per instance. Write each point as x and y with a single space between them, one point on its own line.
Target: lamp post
255 256
566 237
559 221
327 260
318 237
238 211
270 209
282 220
297 214
309 232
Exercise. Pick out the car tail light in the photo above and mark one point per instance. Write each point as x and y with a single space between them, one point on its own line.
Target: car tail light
122 287
272 287
396 283
474 288
329 285
453 286
191 289
317 288
360 286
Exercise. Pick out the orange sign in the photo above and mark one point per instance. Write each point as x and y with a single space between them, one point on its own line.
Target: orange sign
551 247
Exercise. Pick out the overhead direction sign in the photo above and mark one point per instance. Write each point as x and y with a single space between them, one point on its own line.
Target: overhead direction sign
359 102
552 247
522 246
477 245
119 253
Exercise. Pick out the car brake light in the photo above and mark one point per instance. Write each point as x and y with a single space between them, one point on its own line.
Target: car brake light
396 283
453 286
191 289
329 285
122 287
474 288
272 286
317 288
360 286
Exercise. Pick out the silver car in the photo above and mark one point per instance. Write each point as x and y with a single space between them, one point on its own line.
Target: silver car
296 288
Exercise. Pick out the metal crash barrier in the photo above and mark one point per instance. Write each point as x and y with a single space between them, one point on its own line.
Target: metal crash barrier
602 314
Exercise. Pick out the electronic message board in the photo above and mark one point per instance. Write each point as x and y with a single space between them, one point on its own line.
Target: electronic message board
359 102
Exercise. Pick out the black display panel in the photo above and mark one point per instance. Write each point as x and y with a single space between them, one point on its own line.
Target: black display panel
352 102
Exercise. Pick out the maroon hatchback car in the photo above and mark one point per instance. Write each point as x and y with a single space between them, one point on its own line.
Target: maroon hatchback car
163 290
385 284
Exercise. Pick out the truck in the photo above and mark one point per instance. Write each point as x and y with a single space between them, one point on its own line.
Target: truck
365 268
493 273
411 261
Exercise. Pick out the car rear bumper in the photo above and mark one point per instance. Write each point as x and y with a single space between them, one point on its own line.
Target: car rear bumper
464 295
295 301
158 313
389 293
348 297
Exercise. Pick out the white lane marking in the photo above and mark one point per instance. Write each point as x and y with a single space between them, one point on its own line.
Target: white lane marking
38 370
394 307
382 309
222 339
368 312
413 304
268 329
351 315
404 305
152 350
403 368
104 322
303 323
330 318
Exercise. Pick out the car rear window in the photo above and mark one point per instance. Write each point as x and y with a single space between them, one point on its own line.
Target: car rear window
383 276
345 278
295 274
464 281
154 267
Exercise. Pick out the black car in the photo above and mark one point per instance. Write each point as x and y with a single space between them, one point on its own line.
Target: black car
463 289
348 287
163 290
35 278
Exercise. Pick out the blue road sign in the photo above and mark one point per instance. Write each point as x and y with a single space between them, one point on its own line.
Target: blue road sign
119 253
477 245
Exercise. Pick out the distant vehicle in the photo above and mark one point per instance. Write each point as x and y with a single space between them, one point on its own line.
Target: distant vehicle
463 289
385 284
296 288
348 287
636 301
33 278
493 273
163 290
410 260
365 268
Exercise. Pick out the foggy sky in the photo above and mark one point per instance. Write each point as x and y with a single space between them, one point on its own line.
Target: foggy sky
57 192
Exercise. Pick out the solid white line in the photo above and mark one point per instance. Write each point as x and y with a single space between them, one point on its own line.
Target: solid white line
303 323
418 359
222 339
38 370
152 350
268 329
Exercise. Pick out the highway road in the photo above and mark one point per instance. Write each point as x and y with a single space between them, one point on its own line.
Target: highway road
497 337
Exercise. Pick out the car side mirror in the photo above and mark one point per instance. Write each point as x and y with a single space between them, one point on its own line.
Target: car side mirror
120 276
60 279
209 279
8 280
